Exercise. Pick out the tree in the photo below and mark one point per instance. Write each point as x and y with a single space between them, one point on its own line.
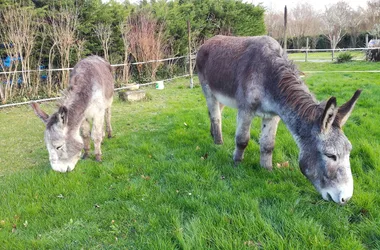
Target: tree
63 34
313 31
355 25
372 20
304 22
18 36
145 39
335 22
274 22
104 32
209 18
67 29
125 32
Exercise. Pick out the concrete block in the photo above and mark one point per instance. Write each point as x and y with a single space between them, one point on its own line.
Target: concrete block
132 96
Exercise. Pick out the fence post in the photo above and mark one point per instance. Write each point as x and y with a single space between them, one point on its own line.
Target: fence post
190 61
285 27
333 48
366 46
307 48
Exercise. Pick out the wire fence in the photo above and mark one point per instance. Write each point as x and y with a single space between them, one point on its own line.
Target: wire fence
47 83
169 69
327 55
113 65
57 98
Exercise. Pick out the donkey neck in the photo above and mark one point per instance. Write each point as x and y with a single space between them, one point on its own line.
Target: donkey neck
299 127
297 107
76 114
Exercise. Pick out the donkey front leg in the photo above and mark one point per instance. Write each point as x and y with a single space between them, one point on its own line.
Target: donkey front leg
244 120
214 112
267 139
97 135
86 135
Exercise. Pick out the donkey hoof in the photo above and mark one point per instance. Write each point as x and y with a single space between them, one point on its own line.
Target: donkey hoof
109 136
269 168
218 142
85 156
98 158
238 156
236 164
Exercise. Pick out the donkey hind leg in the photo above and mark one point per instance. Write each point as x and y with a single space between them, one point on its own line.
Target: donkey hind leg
244 120
86 135
215 115
214 112
97 135
267 139
108 122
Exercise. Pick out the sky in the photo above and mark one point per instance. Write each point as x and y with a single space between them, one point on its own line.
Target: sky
276 5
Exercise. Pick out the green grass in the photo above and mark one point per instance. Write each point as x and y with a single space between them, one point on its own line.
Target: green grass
163 184
356 55
329 67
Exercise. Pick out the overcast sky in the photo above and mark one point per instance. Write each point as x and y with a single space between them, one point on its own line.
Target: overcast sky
318 4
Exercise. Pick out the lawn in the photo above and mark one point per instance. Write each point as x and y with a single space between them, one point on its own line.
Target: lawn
325 56
163 184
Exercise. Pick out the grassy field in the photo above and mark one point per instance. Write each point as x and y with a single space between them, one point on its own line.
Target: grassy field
163 184
325 56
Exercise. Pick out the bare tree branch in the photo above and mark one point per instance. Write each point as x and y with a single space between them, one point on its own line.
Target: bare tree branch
63 34
335 22
104 32
18 35
304 21
145 38
125 29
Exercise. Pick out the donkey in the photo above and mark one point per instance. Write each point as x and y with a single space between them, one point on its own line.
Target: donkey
88 98
253 75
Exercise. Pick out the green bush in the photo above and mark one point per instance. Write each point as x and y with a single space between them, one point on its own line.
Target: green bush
344 57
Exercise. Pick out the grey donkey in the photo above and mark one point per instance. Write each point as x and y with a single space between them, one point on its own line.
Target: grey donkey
87 99
253 75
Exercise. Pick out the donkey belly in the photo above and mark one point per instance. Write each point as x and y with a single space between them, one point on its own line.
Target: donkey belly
260 108
97 105
226 100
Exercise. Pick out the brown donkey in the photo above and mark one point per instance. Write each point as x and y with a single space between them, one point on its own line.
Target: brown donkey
88 98
254 75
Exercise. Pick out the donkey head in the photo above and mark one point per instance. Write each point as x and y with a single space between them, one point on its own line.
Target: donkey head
325 160
64 148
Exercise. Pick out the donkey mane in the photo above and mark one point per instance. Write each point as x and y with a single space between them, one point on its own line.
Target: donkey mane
69 98
65 96
296 94
75 102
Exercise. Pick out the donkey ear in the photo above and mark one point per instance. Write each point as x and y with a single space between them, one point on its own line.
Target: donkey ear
39 112
62 115
328 115
345 110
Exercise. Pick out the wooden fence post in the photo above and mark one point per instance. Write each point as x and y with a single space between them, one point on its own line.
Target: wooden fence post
333 48
366 46
190 60
307 48
285 27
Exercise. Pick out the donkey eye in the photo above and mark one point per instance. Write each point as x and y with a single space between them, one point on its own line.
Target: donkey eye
333 157
59 147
